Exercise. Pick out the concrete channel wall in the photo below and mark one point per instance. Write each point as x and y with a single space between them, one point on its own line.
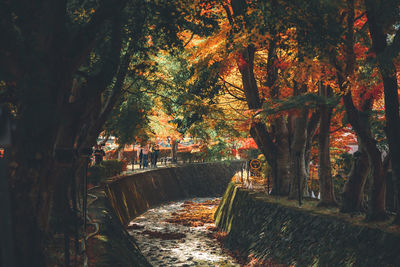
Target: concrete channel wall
293 236
134 194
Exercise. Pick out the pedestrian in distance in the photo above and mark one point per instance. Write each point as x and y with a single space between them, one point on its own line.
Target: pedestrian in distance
98 154
145 152
156 150
140 153
151 156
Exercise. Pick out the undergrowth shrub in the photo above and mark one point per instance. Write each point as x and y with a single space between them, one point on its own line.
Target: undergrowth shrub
105 169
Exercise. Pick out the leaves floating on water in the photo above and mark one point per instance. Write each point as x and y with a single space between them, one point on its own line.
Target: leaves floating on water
134 226
195 214
164 236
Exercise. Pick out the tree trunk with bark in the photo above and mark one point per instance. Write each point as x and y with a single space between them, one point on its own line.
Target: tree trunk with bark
297 155
353 191
360 121
50 115
282 157
377 197
276 153
324 170
312 127
32 181
385 55
174 150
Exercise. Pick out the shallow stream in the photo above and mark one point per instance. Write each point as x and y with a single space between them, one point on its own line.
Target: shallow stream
180 234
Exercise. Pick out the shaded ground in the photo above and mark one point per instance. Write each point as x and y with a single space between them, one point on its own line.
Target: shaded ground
181 234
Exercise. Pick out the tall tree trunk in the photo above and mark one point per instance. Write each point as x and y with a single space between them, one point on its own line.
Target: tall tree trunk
385 56
297 158
377 198
360 121
39 183
32 165
353 191
174 150
282 170
324 170
277 153
30 212
312 127
31 196
282 157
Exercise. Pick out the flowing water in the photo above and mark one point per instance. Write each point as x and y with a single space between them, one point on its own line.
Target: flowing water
168 237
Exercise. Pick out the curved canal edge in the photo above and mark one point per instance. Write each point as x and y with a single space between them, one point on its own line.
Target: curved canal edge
124 198
112 245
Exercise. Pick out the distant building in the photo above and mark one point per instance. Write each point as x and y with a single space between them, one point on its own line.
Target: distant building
353 148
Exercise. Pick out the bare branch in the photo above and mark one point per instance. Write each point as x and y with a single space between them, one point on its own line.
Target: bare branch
190 39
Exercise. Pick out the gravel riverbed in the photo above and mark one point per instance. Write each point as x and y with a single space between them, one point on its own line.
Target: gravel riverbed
166 241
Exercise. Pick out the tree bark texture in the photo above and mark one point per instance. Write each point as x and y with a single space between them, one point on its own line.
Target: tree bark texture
385 55
277 153
297 155
312 127
50 116
353 191
174 150
359 120
360 123
324 170
282 156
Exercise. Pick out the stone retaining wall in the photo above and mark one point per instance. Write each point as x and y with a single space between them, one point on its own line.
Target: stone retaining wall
132 195
297 237
113 245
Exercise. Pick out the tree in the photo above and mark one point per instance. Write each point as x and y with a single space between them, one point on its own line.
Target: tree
130 118
360 122
63 67
324 170
379 26
38 66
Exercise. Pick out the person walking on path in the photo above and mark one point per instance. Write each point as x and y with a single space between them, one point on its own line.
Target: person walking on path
156 150
145 152
98 154
140 156
151 156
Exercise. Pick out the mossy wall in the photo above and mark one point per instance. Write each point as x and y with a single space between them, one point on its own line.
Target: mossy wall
113 245
134 194
297 237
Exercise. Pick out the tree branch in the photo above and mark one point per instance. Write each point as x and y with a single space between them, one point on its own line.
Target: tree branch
117 88
190 39
234 86
83 41
109 68
233 95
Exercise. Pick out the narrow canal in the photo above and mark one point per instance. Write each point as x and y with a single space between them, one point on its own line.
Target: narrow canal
181 233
